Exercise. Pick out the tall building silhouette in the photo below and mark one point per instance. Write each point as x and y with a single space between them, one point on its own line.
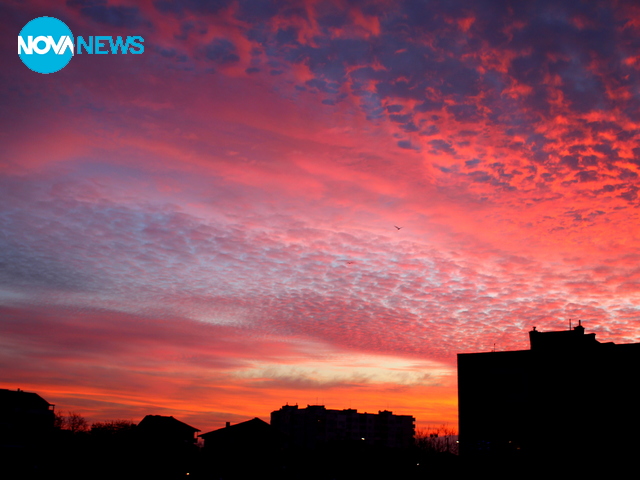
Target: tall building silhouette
568 397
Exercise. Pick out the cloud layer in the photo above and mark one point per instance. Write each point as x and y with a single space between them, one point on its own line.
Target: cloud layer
208 228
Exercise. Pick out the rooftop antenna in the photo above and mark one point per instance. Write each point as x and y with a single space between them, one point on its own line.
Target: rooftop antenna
494 347
569 324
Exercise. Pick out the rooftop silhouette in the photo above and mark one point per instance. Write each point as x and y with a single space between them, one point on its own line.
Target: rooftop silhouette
551 401
315 426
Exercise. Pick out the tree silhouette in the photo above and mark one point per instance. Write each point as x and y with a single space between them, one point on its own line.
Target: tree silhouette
112 427
437 440
73 422
58 420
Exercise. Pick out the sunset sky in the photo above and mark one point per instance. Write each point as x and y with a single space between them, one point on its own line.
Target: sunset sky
208 230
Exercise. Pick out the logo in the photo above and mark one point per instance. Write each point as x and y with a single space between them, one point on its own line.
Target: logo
46 45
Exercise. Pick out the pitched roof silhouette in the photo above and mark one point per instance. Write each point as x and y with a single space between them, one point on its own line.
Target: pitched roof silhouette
167 430
13 399
165 423
239 430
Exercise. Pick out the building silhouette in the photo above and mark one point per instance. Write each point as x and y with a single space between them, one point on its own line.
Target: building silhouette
23 416
166 430
244 450
166 447
315 427
569 398
26 433
252 434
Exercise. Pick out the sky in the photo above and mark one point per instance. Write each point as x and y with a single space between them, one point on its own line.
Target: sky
209 229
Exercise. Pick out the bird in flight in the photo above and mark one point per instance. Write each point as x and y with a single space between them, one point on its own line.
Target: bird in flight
398 227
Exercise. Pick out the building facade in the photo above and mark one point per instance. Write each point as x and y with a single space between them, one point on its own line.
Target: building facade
316 426
568 396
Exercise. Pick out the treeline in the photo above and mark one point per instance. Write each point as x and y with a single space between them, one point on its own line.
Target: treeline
75 423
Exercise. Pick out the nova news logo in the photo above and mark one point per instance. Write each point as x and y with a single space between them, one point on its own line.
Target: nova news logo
46 45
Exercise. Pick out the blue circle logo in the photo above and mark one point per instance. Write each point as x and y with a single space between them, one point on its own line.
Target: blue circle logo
45 45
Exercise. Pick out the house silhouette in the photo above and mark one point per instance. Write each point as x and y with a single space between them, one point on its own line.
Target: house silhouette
244 450
166 430
23 415
254 434
166 447
26 433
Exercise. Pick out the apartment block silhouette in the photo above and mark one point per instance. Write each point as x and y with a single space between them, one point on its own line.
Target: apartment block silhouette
568 397
316 426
